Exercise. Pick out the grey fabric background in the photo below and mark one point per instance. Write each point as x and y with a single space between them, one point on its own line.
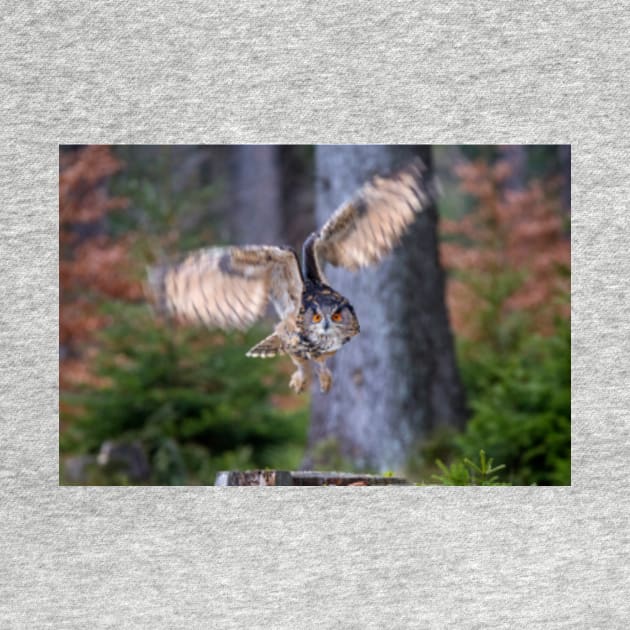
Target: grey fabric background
171 72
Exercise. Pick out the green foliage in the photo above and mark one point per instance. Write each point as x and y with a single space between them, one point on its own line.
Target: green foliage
500 330
196 406
520 403
468 473
521 406
163 204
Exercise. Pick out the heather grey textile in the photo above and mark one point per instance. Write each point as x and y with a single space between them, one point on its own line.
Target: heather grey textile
191 72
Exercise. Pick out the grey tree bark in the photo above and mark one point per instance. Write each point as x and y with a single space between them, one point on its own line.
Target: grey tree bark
397 381
256 213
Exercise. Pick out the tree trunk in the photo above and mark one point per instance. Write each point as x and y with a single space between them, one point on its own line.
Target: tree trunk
397 381
256 213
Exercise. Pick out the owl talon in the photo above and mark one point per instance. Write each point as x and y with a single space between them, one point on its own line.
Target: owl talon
325 380
297 382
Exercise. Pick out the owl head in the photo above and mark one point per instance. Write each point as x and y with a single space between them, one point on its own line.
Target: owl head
329 320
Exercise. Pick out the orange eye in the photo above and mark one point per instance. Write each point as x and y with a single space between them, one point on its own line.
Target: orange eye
336 317
317 318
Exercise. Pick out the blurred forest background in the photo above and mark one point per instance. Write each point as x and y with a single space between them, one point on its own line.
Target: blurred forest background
147 401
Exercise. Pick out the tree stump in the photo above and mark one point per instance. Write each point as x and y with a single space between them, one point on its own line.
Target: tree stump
302 478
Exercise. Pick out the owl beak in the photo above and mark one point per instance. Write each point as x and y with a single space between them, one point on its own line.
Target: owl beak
326 324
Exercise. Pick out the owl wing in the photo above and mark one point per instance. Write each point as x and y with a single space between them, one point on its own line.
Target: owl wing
229 287
366 228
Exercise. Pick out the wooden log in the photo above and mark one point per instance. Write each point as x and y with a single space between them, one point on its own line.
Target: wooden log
302 478
254 478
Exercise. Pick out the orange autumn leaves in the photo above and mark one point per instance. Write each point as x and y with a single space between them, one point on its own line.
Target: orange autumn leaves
511 254
92 266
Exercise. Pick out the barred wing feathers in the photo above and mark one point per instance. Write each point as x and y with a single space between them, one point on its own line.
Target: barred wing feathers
365 229
229 287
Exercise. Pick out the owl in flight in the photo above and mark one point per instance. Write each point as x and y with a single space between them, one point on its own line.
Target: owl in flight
230 287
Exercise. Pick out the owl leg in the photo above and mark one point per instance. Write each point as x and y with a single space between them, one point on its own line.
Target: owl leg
325 375
301 377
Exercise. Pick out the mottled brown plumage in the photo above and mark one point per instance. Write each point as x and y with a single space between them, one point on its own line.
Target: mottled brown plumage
230 287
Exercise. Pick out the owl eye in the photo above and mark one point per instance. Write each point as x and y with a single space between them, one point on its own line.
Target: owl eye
337 317
317 318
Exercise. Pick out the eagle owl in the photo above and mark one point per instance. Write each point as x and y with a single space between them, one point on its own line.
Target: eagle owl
230 287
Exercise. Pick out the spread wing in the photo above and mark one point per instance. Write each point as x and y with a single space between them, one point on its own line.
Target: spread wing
229 287
366 228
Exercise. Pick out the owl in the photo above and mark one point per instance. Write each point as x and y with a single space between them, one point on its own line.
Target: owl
230 287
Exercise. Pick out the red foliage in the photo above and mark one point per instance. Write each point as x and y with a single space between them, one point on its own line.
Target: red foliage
83 195
510 232
92 266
